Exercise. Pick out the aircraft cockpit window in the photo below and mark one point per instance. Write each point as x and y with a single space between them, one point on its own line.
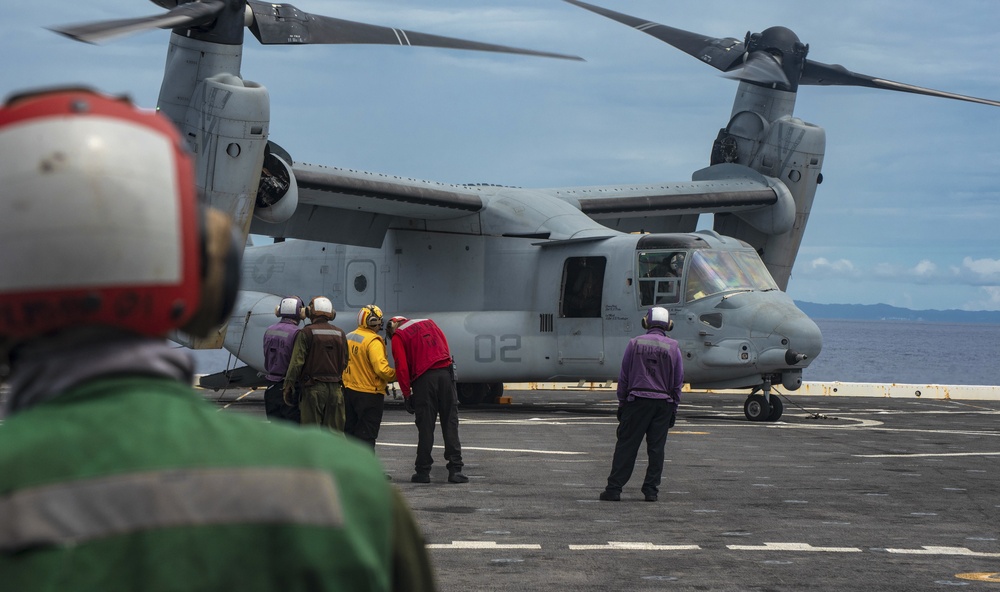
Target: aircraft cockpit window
583 285
714 272
660 277
750 261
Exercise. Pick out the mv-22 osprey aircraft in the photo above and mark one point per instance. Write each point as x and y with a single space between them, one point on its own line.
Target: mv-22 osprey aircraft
527 284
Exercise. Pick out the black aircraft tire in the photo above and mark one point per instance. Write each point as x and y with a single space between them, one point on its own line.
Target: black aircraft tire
494 390
471 393
777 408
756 408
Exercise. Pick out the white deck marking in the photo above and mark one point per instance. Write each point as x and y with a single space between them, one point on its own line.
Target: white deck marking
626 546
926 454
793 547
530 451
482 545
647 546
929 550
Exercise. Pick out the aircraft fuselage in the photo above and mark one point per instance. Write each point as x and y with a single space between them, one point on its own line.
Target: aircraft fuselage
517 309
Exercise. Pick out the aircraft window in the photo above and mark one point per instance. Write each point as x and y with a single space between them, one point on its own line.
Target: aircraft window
751 263
660 277
712 320
712 272
583 284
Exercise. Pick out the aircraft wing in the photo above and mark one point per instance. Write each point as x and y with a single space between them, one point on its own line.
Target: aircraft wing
356 207
674 207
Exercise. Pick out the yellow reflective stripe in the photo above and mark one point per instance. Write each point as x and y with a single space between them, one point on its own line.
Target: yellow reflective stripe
78 511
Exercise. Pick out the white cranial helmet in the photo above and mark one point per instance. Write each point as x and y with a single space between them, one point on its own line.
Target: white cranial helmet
657 316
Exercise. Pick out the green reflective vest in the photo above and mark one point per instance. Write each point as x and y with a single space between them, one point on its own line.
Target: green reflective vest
138 484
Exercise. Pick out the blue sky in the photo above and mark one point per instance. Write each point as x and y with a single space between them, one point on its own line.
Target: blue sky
909 210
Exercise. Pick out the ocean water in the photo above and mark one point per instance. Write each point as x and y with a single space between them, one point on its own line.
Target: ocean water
904 352
907 352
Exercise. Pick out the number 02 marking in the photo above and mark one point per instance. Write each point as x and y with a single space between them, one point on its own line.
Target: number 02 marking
487 350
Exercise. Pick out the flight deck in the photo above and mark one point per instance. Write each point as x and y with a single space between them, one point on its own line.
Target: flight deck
843 493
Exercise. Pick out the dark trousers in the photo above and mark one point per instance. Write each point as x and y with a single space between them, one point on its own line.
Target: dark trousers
434 394
274 405
364 415
647 419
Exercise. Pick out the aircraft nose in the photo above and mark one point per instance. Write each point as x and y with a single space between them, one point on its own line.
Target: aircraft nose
805 341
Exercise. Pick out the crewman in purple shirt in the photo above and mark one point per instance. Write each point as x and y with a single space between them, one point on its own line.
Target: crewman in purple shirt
649 390
278 341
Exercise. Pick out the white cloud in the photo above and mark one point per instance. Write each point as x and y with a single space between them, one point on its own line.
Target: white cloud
986 269
990 302
825 266
983 273
925 269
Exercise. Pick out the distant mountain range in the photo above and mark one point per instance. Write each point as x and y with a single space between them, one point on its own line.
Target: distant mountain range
884 312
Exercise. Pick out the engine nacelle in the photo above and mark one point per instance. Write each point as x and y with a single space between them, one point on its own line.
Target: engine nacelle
278 193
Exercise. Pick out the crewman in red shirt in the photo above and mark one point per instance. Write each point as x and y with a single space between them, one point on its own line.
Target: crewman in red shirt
424 370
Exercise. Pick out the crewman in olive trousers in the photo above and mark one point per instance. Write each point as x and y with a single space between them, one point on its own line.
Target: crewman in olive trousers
319 358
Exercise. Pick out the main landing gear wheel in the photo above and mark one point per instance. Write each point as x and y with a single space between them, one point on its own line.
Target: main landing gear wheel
777 407
471 393
475 393
756 408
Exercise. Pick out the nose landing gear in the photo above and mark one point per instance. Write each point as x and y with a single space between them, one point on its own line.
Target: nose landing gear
763 407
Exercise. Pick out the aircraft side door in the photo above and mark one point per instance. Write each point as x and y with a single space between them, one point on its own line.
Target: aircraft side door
580 326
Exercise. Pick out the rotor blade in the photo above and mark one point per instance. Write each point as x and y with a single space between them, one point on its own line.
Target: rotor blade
285 24
191 14
761 68
817 73
721 53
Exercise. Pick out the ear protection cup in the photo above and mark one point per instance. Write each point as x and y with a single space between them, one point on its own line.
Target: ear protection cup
221 258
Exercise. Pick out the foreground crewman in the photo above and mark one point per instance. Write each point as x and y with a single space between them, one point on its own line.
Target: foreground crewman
114 474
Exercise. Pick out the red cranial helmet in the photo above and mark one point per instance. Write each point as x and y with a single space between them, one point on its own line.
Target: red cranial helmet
393 324
101 224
